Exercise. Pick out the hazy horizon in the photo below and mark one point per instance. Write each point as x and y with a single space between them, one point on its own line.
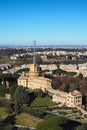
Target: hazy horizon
41 45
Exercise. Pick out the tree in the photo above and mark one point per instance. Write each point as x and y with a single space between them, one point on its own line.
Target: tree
16 106
81 127
2 91
56 83
58 71
9 106
12 90
80 76
21 97
52 123
67 87
40 93
72 73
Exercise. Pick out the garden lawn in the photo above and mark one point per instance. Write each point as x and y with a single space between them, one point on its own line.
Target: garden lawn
27 120
3 113
1 98
42 102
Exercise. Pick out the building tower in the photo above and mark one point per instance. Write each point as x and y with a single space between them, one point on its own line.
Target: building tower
34 55
34 68
34 80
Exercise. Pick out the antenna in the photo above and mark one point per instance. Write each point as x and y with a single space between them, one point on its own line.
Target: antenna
34 56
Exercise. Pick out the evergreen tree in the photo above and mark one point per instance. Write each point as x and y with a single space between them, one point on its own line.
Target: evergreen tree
21 97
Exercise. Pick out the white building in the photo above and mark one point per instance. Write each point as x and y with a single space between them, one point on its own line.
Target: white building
49 67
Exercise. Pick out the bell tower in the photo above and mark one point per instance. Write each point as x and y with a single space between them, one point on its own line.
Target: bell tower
34 68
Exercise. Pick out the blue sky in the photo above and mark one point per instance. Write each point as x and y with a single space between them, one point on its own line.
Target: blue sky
59 22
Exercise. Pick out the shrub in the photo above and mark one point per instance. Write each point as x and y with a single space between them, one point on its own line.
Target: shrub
52 123
74 110
34 112
63 112
85 116
79 112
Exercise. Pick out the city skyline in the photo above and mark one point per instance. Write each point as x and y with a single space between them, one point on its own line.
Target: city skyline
49 22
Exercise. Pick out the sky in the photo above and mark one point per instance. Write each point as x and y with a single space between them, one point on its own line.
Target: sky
49 22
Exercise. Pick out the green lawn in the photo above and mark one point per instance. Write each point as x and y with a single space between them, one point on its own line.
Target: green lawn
44 101
27 120
3 113
1 98
21 119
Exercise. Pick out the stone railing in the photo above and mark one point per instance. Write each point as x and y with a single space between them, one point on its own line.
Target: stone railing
82 110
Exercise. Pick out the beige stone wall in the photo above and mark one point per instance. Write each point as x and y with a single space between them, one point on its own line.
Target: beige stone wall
37 83
23 81
59 99
69 99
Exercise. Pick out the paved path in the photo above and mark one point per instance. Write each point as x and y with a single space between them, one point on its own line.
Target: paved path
21 126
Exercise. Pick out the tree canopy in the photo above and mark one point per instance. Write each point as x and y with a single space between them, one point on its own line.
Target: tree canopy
52 123
81 127
21 97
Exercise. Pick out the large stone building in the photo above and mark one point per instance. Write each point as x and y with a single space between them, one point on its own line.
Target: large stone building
34 80
71 99
74 99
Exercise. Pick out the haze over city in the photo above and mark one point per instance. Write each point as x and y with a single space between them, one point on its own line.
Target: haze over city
49 22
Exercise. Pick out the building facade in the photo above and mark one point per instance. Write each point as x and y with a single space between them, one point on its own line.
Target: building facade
71 99
34 81
74 99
